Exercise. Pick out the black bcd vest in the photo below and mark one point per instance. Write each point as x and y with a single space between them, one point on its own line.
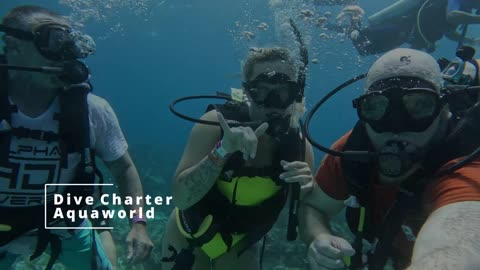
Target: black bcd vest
461 140
255 221
73 137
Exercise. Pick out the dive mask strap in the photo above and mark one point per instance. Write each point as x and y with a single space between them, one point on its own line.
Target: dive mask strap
20 34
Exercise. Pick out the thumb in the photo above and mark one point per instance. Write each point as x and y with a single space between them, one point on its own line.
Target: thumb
345 248
223 123
129 250
261 130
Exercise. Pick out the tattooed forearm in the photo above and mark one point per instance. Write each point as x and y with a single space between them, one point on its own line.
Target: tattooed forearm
197 181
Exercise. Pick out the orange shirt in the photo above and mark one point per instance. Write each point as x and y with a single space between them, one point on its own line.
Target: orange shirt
462 185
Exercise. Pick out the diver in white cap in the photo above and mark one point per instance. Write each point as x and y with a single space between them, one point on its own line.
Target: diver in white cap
407 199
461 77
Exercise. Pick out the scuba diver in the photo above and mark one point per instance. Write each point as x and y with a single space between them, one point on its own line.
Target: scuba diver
463 69
459 75
418 23
408 198
462 12
232 181
52 128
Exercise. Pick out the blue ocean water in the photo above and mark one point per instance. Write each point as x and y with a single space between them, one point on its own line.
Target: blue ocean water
150 52
162 50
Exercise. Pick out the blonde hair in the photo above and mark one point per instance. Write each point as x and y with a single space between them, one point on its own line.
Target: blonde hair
262 55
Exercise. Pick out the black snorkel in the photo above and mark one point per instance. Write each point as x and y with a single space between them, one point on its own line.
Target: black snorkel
65 50
361 156
219 95
71 72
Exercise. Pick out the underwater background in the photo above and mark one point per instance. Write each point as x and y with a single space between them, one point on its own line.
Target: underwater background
150 52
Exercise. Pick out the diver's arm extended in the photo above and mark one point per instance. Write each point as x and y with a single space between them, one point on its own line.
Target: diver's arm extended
456 36
124 171
457 17
315 211
449 239
197 172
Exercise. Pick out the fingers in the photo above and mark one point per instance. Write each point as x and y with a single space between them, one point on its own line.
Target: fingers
248 141
330 251
130 257
348 252
223 123
261 130
242 139
329 263
293 165
345 248
296 172
301 179
320 261
245 149
138 250
253 143
143 251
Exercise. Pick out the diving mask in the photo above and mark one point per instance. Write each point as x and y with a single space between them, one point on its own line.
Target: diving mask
55 42
272 90
459 72
399 106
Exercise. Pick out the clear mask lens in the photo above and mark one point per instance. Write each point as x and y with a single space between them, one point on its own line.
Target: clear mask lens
278 96
374 107
453 72
420 105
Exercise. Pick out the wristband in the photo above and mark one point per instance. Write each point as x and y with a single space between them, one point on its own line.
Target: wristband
220 151
137 219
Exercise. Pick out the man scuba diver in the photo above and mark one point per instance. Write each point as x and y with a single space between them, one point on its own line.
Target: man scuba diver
231 182
463 69
459 75
52 127
409 198
417 23
462 12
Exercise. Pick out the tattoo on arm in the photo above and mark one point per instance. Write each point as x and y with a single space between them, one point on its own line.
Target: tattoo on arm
199 179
